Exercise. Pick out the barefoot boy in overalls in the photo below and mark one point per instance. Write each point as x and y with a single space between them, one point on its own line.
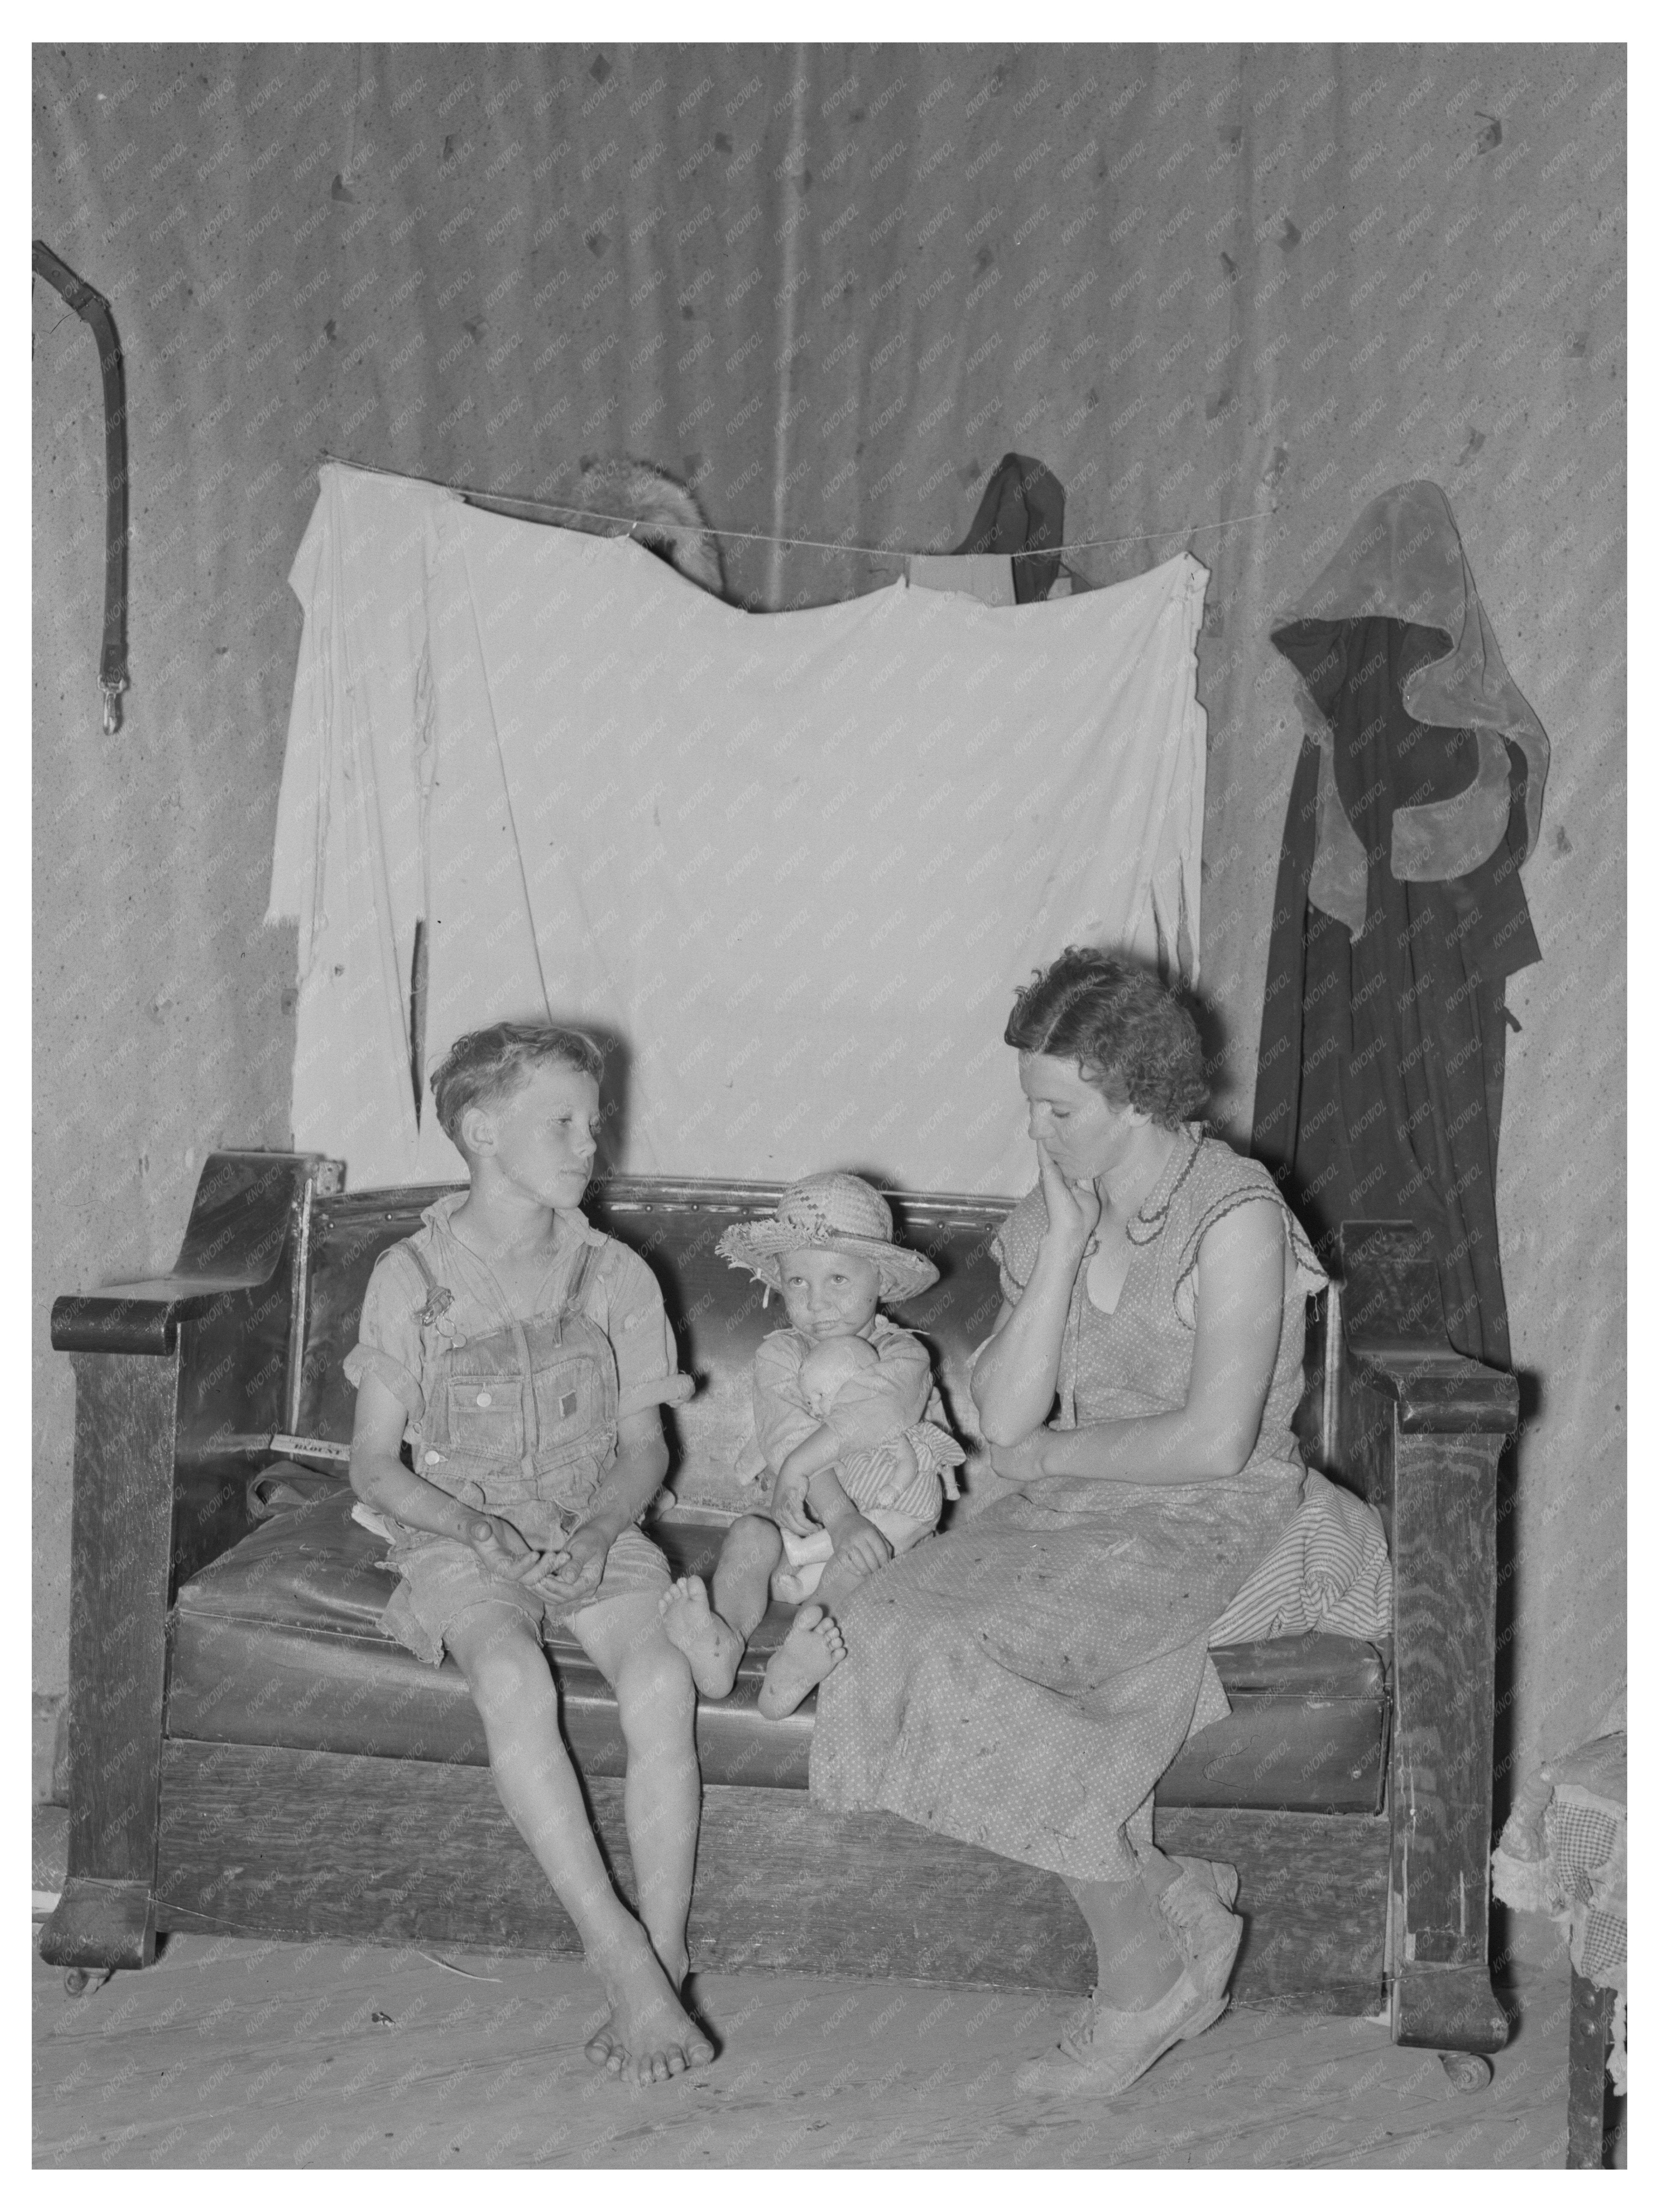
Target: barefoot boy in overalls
522 1356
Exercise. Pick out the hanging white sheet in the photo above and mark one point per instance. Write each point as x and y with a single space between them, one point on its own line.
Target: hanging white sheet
790 867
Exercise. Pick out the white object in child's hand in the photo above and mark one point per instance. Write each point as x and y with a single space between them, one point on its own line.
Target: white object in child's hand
830 1365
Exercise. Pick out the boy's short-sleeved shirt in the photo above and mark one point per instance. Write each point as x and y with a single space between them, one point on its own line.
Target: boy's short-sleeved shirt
620 1297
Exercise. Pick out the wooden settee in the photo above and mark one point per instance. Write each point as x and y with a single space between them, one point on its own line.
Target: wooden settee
249 1753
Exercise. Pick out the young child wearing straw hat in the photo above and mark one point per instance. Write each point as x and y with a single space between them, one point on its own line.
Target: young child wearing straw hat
847 1421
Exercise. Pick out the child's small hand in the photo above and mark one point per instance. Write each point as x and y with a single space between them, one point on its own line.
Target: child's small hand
575 1567
500 1546
789 1501
861 1544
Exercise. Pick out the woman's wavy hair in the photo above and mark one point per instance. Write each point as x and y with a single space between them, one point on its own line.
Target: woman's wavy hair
1131 1037
486 1066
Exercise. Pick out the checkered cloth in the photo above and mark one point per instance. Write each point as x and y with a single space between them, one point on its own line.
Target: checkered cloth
1564 1851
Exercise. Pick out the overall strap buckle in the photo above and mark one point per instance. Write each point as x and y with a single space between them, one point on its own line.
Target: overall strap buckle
439 1297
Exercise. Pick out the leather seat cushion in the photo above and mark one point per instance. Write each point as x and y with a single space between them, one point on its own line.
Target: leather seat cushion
278 1642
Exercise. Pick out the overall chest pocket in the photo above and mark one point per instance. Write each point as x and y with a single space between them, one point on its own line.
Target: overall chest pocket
575 1396
483 1396
483 1407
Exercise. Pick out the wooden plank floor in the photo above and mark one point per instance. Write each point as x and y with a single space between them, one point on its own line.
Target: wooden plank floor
232 2053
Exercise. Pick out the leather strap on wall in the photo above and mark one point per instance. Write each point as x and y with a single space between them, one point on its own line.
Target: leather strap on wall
95 311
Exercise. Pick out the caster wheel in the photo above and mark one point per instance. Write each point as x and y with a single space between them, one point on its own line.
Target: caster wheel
1466 2070
76 1981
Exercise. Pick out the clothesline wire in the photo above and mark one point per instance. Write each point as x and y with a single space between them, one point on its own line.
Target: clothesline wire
633 522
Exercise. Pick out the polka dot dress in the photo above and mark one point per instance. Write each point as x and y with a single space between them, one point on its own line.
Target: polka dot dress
1022 1682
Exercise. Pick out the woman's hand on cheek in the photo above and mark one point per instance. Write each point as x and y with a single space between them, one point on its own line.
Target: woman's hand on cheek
1023 1462
1074 1208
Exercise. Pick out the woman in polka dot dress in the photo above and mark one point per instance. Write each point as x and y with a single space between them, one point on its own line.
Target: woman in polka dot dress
1022 1682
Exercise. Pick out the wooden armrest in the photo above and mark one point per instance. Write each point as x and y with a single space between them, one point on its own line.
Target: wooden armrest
1395 1328
139 1318
1442 1394
234 1241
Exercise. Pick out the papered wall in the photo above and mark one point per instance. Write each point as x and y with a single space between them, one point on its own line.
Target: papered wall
831 287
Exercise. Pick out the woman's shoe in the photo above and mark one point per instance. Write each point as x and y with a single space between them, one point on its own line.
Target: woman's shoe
1102 2050
1195 1906
1221 1877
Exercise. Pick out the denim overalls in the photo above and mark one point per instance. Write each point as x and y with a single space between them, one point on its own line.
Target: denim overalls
521 1422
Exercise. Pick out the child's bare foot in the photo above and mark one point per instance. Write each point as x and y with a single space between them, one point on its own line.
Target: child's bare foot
649 2036
712 1646
812 1649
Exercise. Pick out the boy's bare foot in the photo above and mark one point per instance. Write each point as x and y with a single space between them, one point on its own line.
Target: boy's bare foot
812 1649
649 2036
713 1647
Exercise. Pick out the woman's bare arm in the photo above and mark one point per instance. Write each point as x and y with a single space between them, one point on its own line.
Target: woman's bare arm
1241 1303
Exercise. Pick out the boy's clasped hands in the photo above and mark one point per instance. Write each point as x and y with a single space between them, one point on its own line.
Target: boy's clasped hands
574 1564
568 1569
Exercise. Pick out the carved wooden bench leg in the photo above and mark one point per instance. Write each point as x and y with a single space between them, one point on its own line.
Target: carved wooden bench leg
1444 1518
1422 1431
124 1419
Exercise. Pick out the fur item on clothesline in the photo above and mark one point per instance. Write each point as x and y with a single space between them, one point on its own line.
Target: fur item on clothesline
666 516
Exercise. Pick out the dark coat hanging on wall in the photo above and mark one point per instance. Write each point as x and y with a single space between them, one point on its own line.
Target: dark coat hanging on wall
1400 911
1023 509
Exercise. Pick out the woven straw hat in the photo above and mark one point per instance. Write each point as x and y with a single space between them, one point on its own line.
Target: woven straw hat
830 1212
